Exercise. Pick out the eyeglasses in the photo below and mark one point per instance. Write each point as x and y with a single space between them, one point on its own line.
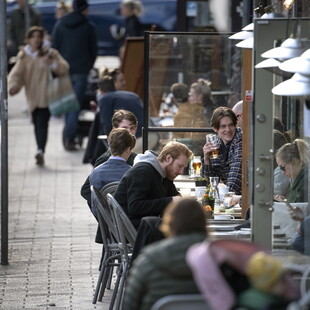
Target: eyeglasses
282 167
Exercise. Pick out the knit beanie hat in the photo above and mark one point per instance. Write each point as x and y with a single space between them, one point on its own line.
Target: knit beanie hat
79 5
263 271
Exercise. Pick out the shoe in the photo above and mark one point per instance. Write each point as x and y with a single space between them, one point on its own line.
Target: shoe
70 146
39 158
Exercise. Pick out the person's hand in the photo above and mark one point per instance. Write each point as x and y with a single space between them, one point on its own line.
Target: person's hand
235 200
279 198
207 149
13 91
296 214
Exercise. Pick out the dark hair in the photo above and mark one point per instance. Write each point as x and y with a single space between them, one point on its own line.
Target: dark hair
79 5
277 124
120 115
279 139
119 140
221 112
184 217
175 149
179 92
106 84
41 31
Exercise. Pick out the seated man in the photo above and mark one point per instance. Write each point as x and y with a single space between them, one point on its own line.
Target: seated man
121 119
115 100
147 188
228 165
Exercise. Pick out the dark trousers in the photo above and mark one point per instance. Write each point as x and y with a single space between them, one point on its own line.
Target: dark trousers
40 118
147 233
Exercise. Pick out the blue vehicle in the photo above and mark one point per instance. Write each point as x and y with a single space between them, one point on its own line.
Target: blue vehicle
104 13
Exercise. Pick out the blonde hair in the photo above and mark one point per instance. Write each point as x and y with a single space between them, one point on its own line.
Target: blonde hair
297 150
175 149
133 6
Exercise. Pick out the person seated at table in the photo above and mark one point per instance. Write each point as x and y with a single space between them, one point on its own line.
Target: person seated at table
160 269
238 110
121 143
147 188
300 241
200 93
293 159
190 114
121 119
228 165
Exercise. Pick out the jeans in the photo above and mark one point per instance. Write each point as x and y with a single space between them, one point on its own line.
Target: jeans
40 118
79 83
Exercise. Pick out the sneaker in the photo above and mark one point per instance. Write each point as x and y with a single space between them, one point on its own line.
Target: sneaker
39 158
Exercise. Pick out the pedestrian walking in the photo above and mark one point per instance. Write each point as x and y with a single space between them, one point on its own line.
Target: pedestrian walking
75 38
34 65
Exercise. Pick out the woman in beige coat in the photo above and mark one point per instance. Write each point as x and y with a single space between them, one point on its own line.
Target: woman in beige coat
33 68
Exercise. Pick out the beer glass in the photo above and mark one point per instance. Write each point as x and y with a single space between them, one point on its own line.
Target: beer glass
196 164
212 138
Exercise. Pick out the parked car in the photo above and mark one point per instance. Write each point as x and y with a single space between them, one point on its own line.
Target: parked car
104 13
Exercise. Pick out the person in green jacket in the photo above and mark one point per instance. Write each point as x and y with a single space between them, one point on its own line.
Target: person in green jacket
293 159
160 269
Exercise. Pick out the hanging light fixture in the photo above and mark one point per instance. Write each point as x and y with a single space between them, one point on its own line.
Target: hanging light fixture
272 65
291 47
298 64
298 85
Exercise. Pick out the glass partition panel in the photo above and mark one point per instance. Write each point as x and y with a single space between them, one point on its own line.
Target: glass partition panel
208 64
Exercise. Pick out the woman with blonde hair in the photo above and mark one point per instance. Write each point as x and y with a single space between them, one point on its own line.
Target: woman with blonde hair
131 10
293 159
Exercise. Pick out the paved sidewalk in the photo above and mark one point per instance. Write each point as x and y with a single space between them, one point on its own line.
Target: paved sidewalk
53 259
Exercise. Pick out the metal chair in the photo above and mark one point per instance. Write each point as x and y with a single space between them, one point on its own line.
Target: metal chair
127 235
181 302
110 250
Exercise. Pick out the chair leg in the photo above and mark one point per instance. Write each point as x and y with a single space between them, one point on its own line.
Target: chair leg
121 286
116 288
99 281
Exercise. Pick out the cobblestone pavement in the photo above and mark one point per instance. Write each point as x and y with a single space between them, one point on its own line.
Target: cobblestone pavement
53 259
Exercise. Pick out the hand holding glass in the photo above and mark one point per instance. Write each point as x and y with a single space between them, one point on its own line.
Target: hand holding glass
213 140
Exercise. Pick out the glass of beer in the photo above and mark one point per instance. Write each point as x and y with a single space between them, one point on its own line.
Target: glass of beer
212 138
196 163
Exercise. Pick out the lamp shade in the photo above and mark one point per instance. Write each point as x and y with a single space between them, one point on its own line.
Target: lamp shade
291 47
242 35
298 64
298 85
272 65
249 27
247 43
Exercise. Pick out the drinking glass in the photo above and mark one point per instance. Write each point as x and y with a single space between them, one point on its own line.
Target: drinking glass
196 164
212 138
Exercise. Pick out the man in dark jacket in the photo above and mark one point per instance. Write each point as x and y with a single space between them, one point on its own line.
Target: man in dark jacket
75 38
147 188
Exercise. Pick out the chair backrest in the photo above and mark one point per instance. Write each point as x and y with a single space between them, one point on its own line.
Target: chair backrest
181 302
108 188
106 222
128 229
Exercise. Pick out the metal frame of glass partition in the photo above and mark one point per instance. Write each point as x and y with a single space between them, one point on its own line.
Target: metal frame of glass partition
266 32
147 128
